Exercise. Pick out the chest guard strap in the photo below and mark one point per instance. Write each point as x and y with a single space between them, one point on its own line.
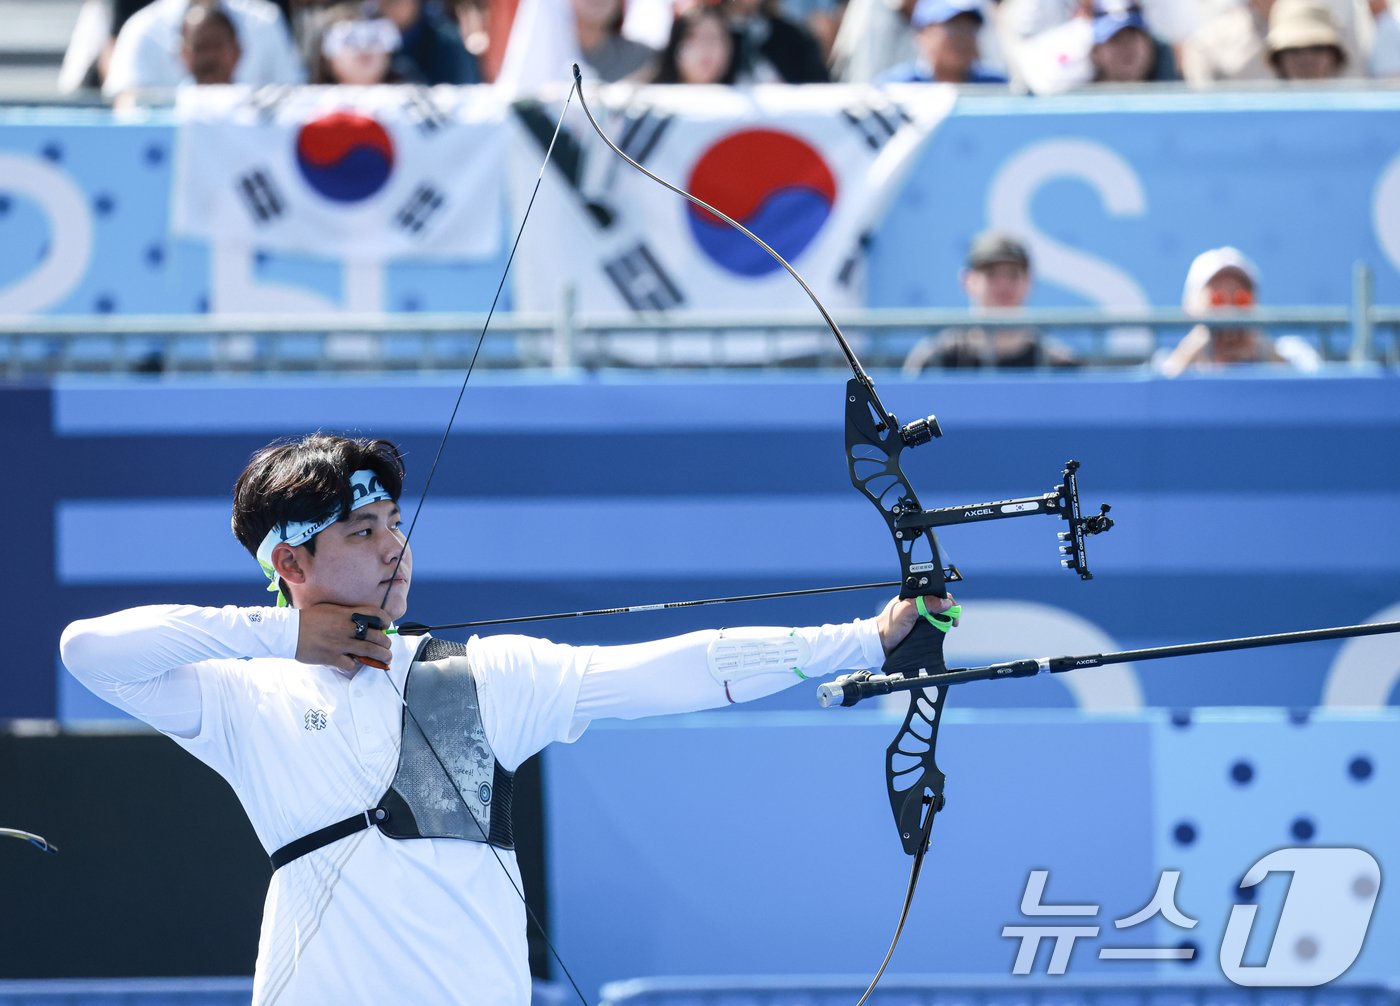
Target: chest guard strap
423 801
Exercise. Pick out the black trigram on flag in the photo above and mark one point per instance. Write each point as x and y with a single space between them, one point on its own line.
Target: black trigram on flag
267 100
260 196
641 133
642 282
876 125
419 208
423 111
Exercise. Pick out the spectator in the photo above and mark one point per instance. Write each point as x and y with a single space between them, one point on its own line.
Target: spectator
997 277
1304 42
946 35
771 48
355 50
209 45
146 55
874 37
700 51
1225 278
431 50
1124 51
611 56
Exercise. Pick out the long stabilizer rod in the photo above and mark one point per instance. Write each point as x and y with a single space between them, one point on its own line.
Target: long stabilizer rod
849 689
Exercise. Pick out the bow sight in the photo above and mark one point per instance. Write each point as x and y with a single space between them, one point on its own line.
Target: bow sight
1062 501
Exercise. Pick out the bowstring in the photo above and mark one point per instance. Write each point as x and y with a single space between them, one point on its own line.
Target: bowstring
418 510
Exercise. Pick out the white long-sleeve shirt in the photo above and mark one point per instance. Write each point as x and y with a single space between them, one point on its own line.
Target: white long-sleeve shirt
371 918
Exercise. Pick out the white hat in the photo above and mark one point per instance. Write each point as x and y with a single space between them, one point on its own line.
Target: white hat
1210 264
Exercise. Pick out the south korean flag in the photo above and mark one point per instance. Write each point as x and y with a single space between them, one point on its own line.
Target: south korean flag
363 174
809 170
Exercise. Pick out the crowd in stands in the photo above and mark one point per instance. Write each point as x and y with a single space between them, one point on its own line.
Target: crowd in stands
134 47
1044 46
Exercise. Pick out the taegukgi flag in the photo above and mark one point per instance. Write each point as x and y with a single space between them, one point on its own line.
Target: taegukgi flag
809 170
354 173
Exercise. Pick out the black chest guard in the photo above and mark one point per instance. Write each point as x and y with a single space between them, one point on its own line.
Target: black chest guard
426 797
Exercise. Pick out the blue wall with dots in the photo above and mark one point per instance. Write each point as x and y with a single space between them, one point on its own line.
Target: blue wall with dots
762 851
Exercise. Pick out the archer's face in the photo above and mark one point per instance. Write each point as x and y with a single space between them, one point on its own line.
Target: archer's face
354 562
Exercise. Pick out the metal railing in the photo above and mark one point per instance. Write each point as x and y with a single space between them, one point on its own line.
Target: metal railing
1360 334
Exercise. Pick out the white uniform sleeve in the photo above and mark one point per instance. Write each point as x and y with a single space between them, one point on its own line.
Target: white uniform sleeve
676 675
142 660
536 692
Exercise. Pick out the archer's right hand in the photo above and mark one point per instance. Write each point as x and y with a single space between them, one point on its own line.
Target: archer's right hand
326 635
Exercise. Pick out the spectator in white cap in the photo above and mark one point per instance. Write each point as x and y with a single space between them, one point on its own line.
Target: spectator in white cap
1304 41
946 35
1226 279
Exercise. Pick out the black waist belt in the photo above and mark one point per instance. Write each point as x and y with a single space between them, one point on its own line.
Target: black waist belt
325 836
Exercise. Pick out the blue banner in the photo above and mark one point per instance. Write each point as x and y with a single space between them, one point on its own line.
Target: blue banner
1244 505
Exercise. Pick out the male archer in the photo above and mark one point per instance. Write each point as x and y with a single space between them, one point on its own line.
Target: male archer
381 796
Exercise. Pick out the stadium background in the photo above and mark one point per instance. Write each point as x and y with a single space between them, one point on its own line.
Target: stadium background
755 841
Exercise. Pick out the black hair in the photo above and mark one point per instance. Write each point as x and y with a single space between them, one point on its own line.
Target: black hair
304 480
667 68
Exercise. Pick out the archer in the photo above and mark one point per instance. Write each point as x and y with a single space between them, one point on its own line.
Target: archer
383 795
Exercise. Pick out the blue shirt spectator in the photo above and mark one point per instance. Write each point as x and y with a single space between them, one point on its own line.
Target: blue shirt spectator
946 35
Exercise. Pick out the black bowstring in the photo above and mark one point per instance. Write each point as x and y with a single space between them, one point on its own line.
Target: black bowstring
403 697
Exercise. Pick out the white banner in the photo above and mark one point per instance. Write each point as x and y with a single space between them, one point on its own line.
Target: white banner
810 170
363 174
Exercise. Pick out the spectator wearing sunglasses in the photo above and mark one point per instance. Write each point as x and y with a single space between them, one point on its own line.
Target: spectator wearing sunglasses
1225 279
354 49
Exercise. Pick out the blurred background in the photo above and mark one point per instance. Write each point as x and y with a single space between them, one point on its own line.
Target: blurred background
1161 239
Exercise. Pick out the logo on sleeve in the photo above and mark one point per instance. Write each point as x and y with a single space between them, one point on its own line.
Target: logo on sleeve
315 719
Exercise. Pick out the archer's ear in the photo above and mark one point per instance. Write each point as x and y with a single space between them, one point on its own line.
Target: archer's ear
288 564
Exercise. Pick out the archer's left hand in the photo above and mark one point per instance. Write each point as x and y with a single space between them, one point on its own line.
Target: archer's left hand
899 616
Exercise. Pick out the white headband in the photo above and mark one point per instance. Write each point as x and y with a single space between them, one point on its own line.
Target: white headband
365 488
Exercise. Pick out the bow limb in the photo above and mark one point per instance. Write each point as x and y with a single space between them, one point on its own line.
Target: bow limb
874 443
